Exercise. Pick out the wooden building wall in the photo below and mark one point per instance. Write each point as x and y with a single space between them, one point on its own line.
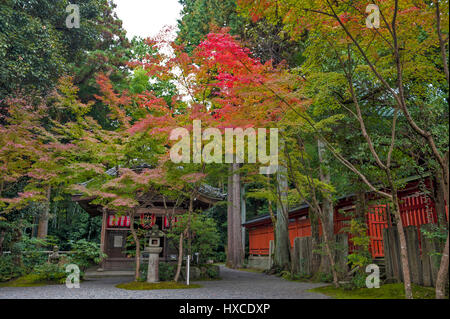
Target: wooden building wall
416 208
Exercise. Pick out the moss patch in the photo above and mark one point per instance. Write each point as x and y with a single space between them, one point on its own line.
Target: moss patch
27 281
135 285
388 291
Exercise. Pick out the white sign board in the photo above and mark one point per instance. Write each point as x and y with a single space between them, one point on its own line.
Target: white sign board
118 241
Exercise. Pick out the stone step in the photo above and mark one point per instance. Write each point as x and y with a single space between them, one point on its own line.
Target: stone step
90 274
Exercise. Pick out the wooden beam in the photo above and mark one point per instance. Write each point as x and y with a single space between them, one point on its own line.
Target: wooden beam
160 211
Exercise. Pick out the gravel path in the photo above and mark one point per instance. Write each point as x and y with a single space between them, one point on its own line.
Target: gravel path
235 284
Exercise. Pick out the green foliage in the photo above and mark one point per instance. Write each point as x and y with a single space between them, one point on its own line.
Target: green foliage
86 254
324 277
47 272
361 256
358 280
209 271
166 271
205 237
436 232
31 250
43 274
8 269
198 16
36 48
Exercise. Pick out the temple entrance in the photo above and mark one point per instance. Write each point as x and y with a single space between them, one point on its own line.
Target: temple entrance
116 243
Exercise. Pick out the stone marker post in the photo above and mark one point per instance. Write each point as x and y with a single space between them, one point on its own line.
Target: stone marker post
153 251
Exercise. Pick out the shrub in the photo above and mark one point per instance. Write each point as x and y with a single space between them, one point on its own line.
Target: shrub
85 254
49 272
325 277
211 271
8 270
167 271
358 280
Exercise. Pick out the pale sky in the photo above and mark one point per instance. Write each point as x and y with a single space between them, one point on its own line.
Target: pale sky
146 18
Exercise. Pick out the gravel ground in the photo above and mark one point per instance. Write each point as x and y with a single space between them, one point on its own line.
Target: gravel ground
235 284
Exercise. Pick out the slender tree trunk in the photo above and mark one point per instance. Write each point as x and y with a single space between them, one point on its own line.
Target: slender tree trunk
137 257
188 229
243 219
361 206
327 208
238 252
315 240
43 218
180 258
230 247
442 276
329 250
282 254
403 248
439 200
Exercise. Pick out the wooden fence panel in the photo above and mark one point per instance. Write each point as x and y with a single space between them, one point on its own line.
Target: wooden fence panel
422 259
412 245
302 254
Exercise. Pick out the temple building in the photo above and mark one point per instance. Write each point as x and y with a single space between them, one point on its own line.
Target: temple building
153 209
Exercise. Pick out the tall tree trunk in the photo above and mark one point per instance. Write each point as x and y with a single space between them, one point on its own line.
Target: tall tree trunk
327 218
361 205
188 228
282 253
243 218
230 247
439 200
238 252
442 276
315 240
44 216
403 248
137 257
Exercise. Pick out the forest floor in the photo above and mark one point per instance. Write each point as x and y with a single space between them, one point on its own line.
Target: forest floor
234 284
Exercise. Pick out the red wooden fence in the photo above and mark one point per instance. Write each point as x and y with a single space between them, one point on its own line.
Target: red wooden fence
376 222
415 209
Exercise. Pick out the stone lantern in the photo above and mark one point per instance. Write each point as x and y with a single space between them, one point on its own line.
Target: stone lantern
153 251
54 257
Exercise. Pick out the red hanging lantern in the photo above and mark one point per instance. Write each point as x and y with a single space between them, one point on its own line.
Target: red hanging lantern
148 220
